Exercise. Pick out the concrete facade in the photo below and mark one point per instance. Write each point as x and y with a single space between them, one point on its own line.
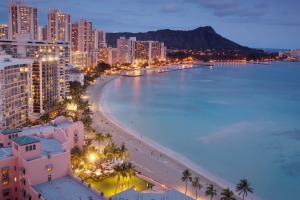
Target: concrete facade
15 91
36 156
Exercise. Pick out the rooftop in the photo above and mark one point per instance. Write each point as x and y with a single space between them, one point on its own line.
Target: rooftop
5 152
9 131
65 188
44 128
49 146
75 71
24 140
131 194
6 60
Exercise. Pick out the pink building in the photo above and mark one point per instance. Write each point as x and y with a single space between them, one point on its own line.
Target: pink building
35 162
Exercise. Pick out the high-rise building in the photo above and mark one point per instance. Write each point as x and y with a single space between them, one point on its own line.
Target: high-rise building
93 58
102 54
163 52
3 31
79 59
23 47
40 33
112 55
15 91
82 36
45 84
108 55
125 49
59 26
44 32
149 50
22 20
99 39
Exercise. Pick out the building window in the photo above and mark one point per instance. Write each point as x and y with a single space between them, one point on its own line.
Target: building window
9 137
27 149
23 192
49 167
5 181
5 192
5 172
23 180
34 147
16 147
22 169
76 133
30 148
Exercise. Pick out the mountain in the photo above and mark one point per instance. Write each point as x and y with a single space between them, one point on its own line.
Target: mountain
198 39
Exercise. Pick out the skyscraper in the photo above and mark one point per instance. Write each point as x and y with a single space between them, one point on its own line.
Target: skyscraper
59 26
149 50
3 31
22 19
82 36
26 48
99 39
15 91
125 49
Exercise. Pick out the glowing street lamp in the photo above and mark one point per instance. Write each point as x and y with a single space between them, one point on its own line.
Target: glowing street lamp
92 157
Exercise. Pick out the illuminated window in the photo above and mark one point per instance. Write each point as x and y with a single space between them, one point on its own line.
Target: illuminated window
5 181
5 171
49 167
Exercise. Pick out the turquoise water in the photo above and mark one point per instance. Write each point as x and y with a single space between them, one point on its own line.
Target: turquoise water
237 121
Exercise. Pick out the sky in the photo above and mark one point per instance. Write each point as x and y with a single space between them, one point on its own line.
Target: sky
255 23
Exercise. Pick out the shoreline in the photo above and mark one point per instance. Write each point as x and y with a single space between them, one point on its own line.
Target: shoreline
150 158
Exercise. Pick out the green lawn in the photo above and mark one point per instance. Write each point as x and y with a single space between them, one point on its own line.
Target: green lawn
108 185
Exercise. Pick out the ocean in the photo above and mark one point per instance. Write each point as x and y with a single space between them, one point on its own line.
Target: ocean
235 120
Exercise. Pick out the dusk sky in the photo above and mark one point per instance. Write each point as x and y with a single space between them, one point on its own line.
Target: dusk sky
255 23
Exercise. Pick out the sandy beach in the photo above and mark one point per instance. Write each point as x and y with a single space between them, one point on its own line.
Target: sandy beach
151 159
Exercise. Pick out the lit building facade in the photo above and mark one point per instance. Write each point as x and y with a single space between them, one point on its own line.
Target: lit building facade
79 59
93 58
108 55
112 56
33 159
99 39
149 50
15 91
22 20
23 47
3 31
125 49
295 53
59 26
45 85
102 55
82 36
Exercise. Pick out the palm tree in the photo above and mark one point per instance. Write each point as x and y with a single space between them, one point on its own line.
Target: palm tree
210 191
123 153
196 184
118 171
108 138
227 194
99 138
244 187
186 176
130 171
123 173
76 156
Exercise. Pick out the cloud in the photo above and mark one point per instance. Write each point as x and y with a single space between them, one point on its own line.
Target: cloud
223 8
171 8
